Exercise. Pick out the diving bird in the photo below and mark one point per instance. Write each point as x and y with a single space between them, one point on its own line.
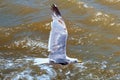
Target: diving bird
58 39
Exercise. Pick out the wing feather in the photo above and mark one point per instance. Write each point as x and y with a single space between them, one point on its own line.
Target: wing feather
58 36
55 10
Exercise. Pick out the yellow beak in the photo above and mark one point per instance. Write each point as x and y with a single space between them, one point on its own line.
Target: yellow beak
79 61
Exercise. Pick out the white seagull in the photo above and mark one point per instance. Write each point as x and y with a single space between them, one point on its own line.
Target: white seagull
57 41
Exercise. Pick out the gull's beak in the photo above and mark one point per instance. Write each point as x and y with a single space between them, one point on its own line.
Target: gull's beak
79 61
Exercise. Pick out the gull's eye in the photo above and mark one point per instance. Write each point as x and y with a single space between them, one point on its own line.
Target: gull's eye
75 61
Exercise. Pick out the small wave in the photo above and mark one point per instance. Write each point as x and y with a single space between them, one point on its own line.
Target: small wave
112 3
26 43
87 69
101 18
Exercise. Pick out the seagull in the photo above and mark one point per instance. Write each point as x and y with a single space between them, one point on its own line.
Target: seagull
58 39
57 42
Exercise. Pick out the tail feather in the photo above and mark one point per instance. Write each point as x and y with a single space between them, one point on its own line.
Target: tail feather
55 10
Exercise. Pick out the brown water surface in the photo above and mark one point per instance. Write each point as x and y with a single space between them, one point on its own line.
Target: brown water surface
94 38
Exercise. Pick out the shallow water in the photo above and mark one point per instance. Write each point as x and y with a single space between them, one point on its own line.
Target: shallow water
94 38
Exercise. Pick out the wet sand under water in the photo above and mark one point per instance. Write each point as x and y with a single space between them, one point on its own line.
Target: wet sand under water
94 38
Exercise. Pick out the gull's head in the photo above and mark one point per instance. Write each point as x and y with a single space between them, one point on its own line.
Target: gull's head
73 60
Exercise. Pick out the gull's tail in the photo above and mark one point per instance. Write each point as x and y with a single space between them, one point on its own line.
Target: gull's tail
55 10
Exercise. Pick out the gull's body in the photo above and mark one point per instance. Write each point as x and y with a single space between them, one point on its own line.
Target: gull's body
58 39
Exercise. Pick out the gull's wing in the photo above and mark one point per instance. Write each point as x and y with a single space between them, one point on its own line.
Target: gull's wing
38 61
58 36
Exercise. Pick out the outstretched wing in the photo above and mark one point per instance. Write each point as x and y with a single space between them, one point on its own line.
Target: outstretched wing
58 36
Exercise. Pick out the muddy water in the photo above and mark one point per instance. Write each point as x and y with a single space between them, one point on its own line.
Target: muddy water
94 38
